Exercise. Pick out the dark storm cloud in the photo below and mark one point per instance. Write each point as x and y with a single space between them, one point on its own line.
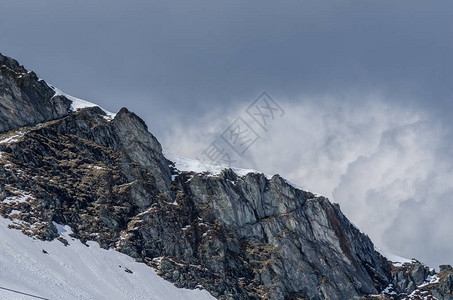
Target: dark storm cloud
183 66
197 55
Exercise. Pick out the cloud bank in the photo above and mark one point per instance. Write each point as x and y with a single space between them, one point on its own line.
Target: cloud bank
386 165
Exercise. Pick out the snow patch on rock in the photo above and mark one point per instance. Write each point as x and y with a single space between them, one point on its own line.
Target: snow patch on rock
78 103
14 138
397 261
197 166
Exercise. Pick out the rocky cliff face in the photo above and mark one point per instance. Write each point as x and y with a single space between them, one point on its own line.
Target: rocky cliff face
239 237
25 100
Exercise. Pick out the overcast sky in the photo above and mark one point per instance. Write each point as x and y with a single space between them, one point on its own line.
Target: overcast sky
366 86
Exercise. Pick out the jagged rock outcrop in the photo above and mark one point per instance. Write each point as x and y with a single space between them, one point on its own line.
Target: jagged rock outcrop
407 282
25 100
239 237
278 240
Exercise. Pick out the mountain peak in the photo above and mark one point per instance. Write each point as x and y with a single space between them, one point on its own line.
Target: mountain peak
239 234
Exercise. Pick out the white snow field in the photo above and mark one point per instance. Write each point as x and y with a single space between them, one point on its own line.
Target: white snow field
77 271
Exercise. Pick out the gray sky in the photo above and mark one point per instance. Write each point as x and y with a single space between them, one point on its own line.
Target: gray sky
367 87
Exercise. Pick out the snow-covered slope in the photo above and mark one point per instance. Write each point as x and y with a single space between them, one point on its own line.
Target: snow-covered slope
52 271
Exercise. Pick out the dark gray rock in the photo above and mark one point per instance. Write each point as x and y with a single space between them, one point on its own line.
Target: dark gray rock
24 99
445 268
418 274
142 147
281 241
407 277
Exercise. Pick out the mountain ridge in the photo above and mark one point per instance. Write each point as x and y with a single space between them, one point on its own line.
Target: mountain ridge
239 236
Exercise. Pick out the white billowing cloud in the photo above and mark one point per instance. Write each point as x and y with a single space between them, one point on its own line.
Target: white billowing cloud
375 189
384 164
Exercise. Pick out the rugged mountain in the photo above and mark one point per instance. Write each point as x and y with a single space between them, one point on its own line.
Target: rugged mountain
239 235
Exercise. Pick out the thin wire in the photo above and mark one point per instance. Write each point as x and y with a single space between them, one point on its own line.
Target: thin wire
22 293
